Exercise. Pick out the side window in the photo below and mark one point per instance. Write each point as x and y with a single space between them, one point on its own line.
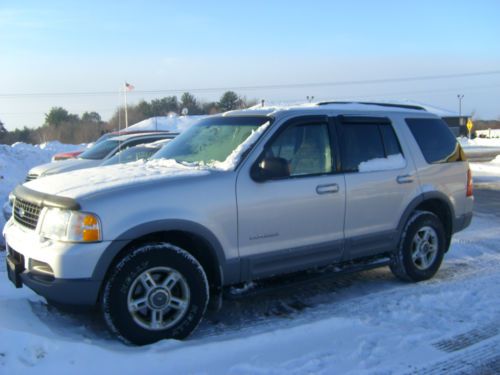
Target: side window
136 142
437 143
306 149
390 140
367 147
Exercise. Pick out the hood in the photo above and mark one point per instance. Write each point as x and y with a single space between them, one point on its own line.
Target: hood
84 182
63 166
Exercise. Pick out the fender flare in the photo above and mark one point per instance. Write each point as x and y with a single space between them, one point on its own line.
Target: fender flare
124 239
422 198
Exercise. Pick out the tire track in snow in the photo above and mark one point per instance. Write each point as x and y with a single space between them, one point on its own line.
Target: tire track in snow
469 338
482 360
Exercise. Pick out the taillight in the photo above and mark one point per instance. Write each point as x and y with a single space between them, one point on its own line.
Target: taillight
469 183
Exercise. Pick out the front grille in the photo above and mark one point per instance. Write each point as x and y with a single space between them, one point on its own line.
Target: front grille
26 213
31 176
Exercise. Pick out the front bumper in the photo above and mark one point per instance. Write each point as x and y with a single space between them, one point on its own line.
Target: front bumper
78 292
70 280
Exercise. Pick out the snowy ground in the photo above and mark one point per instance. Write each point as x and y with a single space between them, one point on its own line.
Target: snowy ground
361 324
364 323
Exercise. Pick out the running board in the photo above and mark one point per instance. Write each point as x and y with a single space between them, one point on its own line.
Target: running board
276 283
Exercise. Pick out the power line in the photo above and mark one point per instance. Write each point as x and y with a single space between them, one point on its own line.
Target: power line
261 87
323 98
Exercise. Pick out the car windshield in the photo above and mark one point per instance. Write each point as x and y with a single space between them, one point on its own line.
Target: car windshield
131 154
99 150
104 137
211 141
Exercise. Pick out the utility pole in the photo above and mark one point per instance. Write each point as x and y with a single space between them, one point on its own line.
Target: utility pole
128 87
460 121
460 97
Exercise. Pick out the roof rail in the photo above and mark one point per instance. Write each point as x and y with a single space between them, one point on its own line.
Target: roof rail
392 105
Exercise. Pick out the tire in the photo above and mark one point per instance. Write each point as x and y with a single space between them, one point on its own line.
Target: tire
158 291
421 248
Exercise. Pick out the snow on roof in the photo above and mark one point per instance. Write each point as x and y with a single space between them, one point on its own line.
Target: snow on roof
350 105
125 137
441 112
174 124
323 105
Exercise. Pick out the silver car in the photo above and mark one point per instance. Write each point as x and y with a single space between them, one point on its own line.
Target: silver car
97 154
239 197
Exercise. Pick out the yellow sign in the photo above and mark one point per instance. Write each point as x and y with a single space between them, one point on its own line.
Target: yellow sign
470 125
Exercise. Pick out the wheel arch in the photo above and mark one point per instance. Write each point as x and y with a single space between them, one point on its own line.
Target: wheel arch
192 237
437 203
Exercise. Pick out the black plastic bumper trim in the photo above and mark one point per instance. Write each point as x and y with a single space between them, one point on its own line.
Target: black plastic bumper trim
81 292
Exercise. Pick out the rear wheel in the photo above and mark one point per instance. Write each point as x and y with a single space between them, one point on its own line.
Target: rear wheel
421 249
158 291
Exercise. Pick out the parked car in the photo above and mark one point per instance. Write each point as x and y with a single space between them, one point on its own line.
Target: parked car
75 154
134 153
66 155
96 154
251 194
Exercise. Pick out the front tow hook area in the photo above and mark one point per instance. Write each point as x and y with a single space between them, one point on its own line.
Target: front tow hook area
14 270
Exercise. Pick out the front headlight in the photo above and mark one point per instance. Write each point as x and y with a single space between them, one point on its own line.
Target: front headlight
70 226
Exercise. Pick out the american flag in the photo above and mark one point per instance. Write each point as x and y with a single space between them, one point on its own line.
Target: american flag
129 87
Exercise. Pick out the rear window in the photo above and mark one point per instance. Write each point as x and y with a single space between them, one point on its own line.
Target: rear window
437 143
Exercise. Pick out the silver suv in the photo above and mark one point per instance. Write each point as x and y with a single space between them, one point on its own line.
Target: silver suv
238 197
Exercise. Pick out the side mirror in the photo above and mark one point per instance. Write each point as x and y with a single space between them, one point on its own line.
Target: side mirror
269 169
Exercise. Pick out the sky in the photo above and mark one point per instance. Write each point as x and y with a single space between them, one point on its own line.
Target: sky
78 54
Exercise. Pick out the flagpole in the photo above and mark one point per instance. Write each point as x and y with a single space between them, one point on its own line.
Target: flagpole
126 110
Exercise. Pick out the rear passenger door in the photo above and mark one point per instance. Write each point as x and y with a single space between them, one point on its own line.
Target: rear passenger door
380 183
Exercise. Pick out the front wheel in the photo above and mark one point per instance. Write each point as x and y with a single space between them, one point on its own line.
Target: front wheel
421 249
157 291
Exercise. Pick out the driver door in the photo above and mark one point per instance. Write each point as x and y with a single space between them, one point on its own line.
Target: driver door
293 222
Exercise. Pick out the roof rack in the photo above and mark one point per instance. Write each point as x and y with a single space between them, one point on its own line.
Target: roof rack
392 105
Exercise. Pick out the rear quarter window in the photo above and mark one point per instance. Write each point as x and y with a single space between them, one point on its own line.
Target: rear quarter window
437 143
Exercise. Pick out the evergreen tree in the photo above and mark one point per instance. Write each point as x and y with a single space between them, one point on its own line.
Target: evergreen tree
229 101
189 102
91 117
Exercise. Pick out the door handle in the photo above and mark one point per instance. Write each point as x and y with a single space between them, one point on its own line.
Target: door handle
405 179
327 189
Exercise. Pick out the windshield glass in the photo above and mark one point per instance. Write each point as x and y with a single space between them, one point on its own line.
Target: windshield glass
211 141
131 154
104 137
100 150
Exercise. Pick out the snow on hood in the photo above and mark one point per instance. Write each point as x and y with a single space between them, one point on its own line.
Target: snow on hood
175 124
64 166
86 181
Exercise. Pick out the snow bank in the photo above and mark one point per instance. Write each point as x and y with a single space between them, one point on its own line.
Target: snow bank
18 159
175 124
479 142
382 164
486 172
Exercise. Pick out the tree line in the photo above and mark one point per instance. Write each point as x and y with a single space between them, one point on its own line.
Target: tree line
71 128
